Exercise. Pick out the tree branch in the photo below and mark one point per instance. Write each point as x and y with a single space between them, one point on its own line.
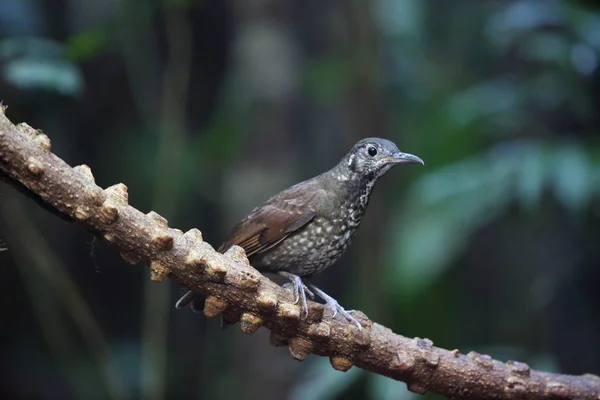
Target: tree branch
241 293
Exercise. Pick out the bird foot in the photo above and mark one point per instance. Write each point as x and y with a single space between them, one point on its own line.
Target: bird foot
308 292
335 307
301 291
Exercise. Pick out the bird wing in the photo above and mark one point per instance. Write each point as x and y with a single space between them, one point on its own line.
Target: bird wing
268 225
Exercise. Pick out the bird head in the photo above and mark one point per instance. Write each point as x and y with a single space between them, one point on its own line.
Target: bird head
375 156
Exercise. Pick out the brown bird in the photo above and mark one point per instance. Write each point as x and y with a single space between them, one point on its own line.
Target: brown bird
306 228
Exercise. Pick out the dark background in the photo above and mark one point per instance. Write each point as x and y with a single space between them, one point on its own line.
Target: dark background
204 109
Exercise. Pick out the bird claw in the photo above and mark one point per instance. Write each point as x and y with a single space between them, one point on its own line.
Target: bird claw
335 307
308 292
301 291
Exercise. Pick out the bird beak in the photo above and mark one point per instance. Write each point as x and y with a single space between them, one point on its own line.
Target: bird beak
404 158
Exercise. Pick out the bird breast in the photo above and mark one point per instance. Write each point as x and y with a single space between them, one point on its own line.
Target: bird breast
321 242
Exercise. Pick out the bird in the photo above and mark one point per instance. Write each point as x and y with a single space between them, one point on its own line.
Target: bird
306 228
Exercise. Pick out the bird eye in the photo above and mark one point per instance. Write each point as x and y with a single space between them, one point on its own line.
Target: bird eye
371 150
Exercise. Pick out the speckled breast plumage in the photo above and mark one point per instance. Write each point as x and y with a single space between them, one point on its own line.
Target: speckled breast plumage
320 243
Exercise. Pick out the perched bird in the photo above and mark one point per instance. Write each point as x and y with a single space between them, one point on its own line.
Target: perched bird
306 228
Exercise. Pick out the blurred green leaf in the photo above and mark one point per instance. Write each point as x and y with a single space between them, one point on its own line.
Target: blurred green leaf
545 47
522 16
446 206
87 44
39 64
587 26
573 176
32 47
400 17
482 100
60 76
584 58
530 182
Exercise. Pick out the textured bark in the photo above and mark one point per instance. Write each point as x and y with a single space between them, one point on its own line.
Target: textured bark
242 294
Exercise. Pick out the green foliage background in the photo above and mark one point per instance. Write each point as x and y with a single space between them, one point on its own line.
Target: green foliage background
204 109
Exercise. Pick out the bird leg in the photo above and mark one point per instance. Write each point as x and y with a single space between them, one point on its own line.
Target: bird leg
300 290
335 306
309 294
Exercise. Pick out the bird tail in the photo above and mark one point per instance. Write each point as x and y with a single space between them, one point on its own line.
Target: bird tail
195 301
